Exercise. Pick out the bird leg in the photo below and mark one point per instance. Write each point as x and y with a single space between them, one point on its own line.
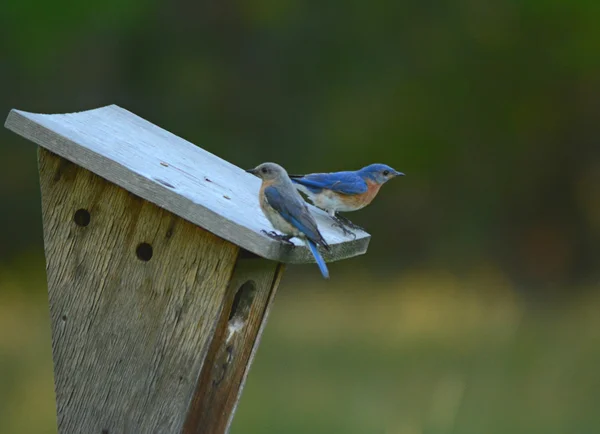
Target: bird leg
279 237
340 224
344 221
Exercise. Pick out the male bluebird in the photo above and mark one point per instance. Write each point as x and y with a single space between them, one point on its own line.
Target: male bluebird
284 208
344 191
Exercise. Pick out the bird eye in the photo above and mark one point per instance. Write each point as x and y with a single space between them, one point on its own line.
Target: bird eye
386 172
264 170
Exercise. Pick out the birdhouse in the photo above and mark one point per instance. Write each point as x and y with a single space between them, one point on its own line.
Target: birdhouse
159 278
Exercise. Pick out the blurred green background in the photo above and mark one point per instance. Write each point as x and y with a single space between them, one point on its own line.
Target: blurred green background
476 309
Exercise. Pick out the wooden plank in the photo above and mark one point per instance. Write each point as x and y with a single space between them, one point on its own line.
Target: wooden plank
176 175
135 297
251 293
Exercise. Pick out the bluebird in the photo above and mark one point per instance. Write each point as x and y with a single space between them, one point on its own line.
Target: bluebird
286 210
344 191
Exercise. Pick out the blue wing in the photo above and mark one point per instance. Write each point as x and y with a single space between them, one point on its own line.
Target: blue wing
293 209
341 182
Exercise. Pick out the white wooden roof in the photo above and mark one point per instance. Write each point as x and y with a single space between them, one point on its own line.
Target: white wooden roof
174 174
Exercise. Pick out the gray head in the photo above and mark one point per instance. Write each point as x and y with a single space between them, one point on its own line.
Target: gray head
269 171
380 173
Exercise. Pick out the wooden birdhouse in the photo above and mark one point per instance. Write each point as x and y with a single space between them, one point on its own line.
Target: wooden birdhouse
159 278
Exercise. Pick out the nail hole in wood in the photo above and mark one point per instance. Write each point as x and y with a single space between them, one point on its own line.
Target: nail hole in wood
64 317
82 217
144 252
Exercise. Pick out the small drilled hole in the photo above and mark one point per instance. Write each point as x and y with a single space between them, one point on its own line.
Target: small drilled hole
64 317
144 252
82 217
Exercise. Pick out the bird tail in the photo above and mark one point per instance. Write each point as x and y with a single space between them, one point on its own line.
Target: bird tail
320 262
304 190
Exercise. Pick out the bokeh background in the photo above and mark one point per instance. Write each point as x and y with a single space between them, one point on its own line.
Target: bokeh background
476 309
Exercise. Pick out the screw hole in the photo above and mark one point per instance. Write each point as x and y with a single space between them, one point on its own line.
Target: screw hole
144 252
82 217
64 317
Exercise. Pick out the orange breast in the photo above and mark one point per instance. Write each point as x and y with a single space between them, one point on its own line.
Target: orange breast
372 190
359 201
261 194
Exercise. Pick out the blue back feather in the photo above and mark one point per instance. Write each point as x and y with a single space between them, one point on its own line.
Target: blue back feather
293 209
341 182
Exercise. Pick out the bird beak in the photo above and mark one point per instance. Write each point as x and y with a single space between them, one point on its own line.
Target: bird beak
399 174
252 171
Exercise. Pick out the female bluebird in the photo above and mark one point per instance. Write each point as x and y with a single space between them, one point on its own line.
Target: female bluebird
344 191
284 208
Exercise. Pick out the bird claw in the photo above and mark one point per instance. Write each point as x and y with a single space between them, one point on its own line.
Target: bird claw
344 221
344 230
283 238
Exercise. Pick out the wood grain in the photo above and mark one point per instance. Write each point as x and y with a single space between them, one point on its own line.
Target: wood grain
251 293
129 335
176 175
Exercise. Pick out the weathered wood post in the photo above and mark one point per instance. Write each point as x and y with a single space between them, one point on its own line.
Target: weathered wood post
159 278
